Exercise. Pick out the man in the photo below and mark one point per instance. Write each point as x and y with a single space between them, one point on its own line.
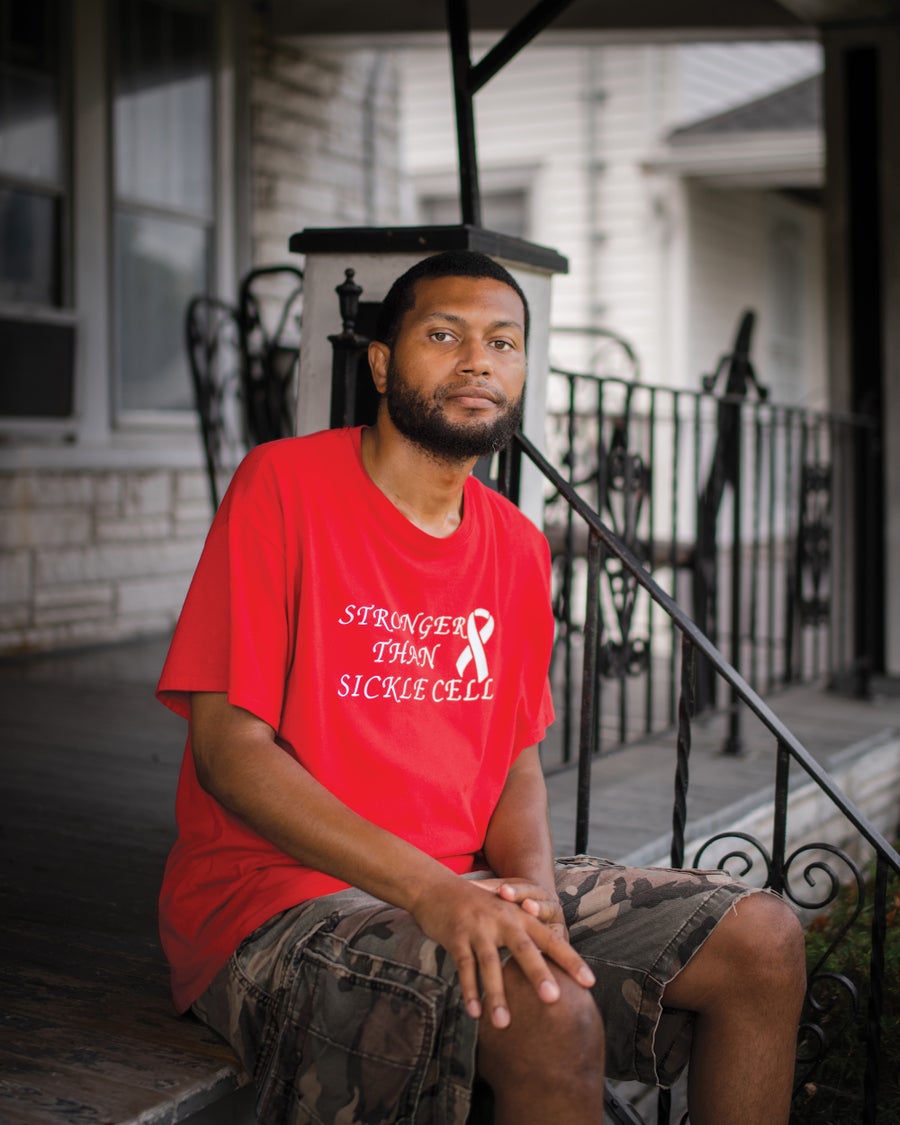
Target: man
363 896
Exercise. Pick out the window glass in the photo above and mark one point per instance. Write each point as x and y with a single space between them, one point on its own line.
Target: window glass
32 191
29 244
163 126
503 211
160 265
164 105
29 125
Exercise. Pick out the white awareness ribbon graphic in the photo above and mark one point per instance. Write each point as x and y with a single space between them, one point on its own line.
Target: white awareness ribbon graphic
474 650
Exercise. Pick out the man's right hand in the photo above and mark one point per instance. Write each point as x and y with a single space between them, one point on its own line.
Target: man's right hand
473 926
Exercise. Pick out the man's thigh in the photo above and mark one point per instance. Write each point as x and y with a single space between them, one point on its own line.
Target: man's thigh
342 1010
637 928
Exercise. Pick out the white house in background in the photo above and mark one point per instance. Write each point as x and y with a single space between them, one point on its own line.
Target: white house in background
682 186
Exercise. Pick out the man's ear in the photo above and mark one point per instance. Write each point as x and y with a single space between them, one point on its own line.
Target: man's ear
379 358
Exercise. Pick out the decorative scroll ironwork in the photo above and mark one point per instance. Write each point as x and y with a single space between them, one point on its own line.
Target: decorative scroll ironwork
212 340
243 359
627 481
811 883
592 438
814 544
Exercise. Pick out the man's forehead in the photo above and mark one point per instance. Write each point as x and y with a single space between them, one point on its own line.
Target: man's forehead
454 294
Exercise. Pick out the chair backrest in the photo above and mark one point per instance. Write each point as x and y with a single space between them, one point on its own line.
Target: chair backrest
270 303
214 351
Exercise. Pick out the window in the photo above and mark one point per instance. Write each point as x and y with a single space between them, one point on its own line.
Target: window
164 209
505 211
32 187
36 339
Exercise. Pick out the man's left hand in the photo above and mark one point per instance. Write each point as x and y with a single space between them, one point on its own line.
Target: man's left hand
534 898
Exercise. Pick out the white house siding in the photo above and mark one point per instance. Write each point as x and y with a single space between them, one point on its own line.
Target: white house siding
99 535
577 124
635 82
324 142
731 268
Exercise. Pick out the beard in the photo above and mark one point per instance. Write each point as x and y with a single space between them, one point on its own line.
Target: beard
425 422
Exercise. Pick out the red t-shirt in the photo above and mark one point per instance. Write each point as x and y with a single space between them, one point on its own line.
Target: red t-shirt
405 672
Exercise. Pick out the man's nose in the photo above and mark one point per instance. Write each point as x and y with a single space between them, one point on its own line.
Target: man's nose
475 356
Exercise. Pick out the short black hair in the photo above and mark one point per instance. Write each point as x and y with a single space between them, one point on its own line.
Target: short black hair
401 296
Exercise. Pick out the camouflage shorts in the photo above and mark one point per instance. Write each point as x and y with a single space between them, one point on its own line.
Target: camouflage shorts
343 1011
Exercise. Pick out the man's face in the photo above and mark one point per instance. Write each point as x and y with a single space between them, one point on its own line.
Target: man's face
454 378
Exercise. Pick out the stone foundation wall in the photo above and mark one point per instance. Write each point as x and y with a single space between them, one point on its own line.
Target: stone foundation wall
96 555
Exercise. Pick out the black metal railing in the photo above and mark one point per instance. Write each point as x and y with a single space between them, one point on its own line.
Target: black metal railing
807 874
730 502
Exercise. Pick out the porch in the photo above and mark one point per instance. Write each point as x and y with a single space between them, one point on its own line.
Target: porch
90 763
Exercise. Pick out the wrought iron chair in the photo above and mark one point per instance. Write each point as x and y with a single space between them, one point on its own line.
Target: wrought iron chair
269 312
214 354
243 360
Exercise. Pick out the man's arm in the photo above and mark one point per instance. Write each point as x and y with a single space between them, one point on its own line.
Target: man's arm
519 847
240 764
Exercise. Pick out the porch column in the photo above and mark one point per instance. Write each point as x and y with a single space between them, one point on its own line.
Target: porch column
862 117
378 256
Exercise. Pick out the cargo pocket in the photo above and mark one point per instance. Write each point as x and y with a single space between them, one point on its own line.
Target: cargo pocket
355 1033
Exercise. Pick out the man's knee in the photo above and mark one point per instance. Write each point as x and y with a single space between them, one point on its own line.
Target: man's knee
763 949
565 1037
755 954
770 938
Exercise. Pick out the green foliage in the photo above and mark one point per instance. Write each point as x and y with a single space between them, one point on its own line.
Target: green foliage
833 1094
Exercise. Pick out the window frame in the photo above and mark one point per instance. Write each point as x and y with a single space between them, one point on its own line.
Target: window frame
496 180
154 419
96 434
62 190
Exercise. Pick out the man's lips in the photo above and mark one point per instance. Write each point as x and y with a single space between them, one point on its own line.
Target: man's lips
475 397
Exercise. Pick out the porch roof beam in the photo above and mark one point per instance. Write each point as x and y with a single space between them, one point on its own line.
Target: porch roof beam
518 36
469 79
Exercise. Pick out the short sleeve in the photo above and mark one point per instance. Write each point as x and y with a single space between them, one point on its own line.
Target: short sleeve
233 634
536 712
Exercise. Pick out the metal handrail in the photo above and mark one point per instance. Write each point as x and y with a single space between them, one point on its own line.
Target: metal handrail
813 1044
614 545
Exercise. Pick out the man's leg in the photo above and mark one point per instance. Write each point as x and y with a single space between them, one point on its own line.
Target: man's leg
342 1010
548 1064
746 984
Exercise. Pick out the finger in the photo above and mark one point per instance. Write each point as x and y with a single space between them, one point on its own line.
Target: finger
533 898
544 910
490 968
467 971
558 949
534 967
492 885
518 892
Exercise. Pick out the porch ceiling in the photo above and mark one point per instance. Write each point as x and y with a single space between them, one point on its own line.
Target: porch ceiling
790 17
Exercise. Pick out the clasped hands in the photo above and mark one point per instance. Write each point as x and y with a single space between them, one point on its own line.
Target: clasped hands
473 919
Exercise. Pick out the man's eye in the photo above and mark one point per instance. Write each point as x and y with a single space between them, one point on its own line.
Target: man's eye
502 345
440 336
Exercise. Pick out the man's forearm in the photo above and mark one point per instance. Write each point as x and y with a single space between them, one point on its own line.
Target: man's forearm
518 841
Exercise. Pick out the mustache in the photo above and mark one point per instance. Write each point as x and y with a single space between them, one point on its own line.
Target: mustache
478 386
